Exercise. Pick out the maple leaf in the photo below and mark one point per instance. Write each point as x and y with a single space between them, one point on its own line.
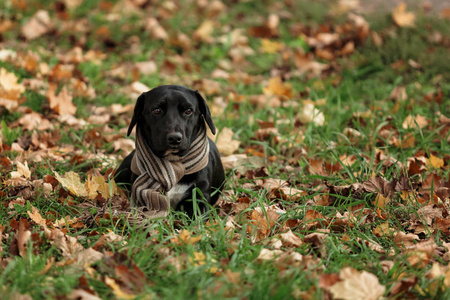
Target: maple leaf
71 181
95 185
357 286
61 103
403 18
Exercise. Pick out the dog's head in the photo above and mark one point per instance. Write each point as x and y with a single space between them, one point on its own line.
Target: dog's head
169 117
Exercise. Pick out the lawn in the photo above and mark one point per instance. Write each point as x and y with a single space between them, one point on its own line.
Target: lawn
333 126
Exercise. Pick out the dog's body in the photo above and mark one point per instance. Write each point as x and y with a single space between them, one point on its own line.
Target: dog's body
169 118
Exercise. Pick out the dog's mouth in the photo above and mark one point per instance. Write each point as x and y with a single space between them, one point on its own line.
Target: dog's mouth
174 152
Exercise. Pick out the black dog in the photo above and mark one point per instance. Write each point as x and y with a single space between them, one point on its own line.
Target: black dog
169 118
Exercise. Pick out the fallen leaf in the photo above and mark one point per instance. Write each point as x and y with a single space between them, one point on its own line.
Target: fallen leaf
38 25
266 254
71 181
402 17
277 87
225 142
117 290
434 162
22 171
10 90
357 286
61 103
310 114
412 122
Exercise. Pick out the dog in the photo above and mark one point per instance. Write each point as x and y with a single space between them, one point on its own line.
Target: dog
170 123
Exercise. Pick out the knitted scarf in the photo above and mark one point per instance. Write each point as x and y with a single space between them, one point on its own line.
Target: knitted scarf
156 175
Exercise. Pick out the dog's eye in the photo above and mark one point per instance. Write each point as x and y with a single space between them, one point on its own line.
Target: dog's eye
188 111
157 111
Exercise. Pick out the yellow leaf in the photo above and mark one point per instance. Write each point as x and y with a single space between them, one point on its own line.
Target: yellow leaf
185 238
403 18
435 162
97 184
199 258
278 88
71 181
117 290
380 201
268 46
381 229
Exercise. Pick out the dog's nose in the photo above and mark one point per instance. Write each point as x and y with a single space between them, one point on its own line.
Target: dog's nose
174 138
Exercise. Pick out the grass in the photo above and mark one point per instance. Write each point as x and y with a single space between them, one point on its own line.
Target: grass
223 262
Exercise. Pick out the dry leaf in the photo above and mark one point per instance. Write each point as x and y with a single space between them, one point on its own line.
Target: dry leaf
434 162
71 181
225 142
268 46
403 18
267 254
204 32
39 24
357 286
278 88
10 89
310 114
22 171
291 240
185 238
23 235
117 290
36 216
61 103
412 122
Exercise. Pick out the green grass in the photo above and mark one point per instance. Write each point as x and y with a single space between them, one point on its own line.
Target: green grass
223 263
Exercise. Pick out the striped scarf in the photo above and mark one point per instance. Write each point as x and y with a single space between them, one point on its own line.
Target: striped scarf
156 175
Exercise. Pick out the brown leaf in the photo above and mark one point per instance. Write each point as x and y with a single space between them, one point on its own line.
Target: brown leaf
23 235
61 103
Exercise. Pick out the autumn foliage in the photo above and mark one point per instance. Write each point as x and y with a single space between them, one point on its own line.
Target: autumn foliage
334 130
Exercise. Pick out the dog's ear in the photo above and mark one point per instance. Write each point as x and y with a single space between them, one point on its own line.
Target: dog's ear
138 109
204 109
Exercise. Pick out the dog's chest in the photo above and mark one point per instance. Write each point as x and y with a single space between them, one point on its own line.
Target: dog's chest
178 193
